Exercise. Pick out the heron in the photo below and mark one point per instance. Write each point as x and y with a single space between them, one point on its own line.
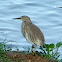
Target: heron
31 32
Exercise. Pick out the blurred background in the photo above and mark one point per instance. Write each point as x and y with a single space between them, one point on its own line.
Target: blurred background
45 14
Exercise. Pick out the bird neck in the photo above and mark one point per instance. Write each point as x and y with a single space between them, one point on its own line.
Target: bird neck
27 23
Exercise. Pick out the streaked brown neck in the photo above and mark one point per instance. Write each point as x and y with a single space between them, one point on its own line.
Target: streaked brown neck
27 22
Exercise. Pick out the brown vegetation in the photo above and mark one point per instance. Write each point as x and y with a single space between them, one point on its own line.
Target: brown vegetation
21 57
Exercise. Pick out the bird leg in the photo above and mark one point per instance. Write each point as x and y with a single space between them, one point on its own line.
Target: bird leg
32 49
33 46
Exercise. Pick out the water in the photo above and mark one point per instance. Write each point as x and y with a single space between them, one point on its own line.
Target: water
44 14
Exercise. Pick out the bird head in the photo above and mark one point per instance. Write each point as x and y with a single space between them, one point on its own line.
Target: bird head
23 18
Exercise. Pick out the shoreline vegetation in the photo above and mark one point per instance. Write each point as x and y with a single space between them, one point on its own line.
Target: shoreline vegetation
48 54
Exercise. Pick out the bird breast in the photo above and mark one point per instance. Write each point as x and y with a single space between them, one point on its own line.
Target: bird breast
32 33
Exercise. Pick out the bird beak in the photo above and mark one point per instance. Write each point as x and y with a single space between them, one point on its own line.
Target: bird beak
17 18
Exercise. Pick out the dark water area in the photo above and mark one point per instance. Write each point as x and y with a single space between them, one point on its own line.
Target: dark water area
45 14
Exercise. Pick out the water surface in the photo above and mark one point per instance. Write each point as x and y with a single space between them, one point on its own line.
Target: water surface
44 14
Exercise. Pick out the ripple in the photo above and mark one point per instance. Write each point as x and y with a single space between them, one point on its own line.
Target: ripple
43 13
7 29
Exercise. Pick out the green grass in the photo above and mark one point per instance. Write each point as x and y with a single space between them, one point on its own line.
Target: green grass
3 49
50 51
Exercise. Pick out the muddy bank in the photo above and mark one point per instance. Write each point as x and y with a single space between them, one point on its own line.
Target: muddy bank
21 57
